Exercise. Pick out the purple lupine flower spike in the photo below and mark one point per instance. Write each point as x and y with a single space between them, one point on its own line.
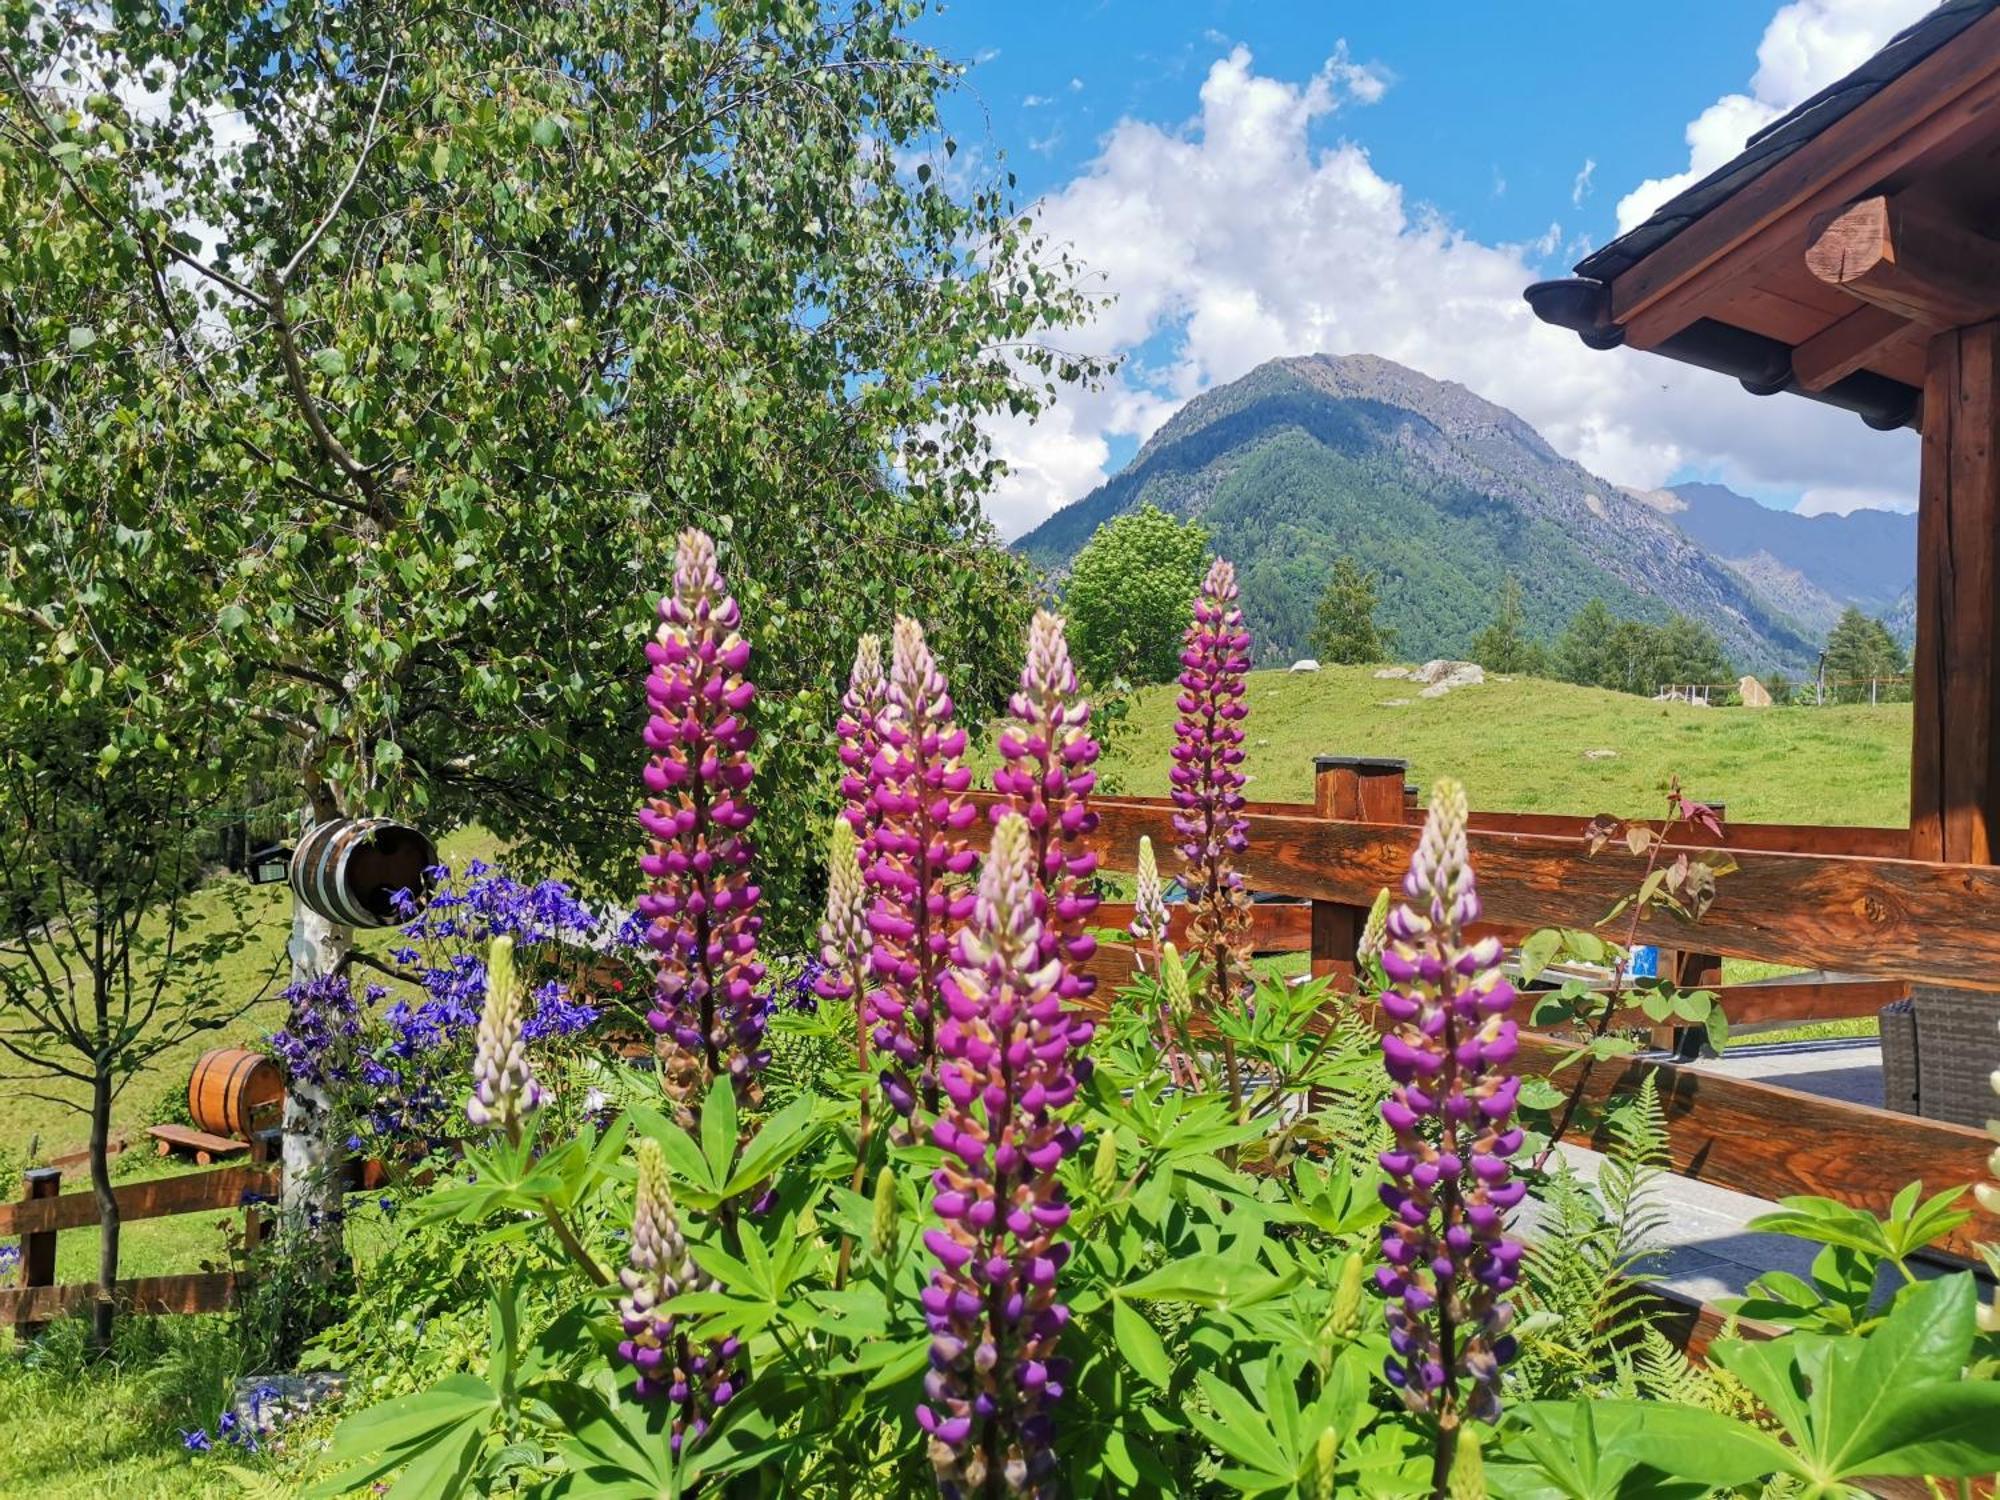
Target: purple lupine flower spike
658 1269
702 905
1449 1054
920 851
1008 1071
1046 755
860 734
1207 779
504 1090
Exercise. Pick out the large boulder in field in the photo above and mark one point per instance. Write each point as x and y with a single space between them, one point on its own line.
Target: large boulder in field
1441 677
1305 664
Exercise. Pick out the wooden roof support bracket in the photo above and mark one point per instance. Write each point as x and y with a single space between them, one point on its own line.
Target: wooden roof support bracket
1836 352
1908 260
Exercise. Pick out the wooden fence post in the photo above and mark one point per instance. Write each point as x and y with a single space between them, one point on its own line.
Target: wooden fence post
1350 789
38 1250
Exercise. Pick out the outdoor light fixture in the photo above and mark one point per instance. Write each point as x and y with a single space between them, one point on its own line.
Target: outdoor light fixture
269 866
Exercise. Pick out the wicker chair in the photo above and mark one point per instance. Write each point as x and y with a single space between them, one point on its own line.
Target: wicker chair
1939 1051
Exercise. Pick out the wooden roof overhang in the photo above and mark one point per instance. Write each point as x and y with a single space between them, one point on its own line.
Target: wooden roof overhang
1824 258
1851 255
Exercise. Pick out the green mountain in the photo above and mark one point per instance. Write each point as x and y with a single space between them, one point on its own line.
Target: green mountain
1439 491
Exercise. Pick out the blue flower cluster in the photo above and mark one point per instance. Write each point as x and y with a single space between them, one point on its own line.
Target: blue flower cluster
267 1412
10 1257
404 1061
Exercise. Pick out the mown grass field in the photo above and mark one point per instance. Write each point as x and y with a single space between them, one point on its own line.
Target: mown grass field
1523 745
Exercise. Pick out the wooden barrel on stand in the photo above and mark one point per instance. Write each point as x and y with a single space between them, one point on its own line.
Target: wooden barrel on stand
235 1092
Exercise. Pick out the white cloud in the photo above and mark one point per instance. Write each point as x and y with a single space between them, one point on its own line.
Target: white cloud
1232 239
1838 500
1808 45
1580 188
1076 85
1036 101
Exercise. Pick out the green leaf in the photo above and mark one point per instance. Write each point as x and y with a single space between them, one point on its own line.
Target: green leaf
718 1128
81 337
1218 1281
1140 1344
330 362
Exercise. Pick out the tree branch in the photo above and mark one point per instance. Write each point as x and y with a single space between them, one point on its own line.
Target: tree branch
368 139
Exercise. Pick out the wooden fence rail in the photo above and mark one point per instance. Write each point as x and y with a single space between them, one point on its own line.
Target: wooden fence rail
45 1212
1840 901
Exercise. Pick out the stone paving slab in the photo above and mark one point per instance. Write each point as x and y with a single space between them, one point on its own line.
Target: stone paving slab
1705 1248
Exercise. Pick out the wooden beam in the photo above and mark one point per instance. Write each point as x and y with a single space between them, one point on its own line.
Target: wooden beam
1829 357
1955 748
1908 261
1768 220
1896 919
1275 926
197 1292
1772 1142
195 1192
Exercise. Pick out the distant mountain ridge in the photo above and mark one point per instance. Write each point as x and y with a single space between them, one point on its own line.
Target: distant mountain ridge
1443 493
1810 566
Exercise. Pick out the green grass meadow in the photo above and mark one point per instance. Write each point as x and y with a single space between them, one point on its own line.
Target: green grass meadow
1522 745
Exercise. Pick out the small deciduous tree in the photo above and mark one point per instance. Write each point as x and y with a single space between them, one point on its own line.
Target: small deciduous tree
1127 600
1505 645
1584 651
1344 629
1860 652
109 954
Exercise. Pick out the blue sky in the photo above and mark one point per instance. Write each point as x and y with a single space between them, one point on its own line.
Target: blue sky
1251 178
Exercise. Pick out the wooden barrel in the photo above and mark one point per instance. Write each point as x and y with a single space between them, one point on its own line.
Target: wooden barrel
234 1092
349 869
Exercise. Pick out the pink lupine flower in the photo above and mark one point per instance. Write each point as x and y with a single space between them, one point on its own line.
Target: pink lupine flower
1046 754
1449 1055
702 904
1008 1070
920 854
860 735
1207 779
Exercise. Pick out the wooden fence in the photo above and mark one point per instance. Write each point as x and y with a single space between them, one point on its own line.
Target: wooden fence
1842 901
45 1211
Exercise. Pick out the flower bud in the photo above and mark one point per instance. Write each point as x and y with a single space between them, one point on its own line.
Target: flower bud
1468 1468
1174 980
504 1090
1104 1166
1326 1464
882 1232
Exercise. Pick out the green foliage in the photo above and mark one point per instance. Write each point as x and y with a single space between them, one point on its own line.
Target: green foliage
1597 649
1856 1247
1344 629
1893 1403
1129 596
1859 650
1590 1248
1504 645
381 461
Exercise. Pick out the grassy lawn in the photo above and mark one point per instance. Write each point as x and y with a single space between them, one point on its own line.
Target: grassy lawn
1522 746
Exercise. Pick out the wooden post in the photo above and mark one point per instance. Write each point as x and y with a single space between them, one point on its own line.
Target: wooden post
1954 770
1350 789
38 1250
